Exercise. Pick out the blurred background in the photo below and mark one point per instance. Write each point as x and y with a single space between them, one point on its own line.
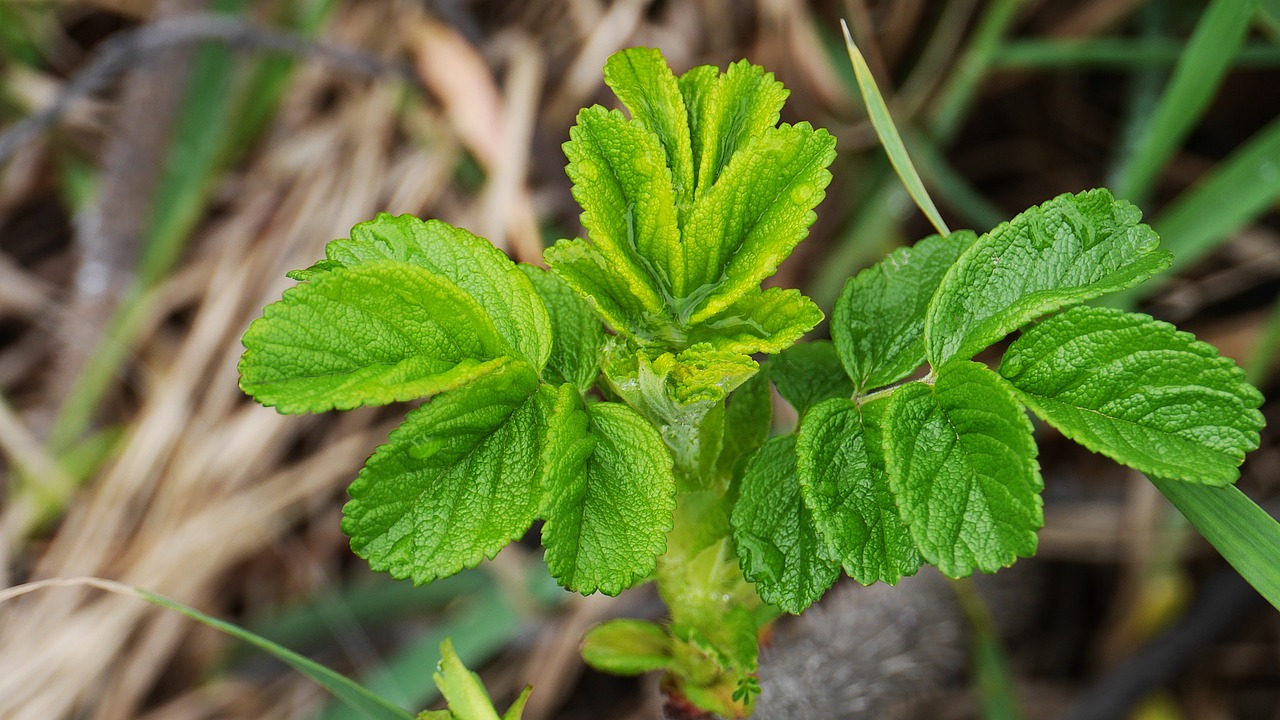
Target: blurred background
163 163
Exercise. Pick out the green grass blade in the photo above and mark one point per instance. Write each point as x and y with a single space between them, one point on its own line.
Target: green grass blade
957 97
993 680
1244 533
372 605
1243 187
260 97
1264 349
882 121
1209 54
1115 53
363 702
1239 190
1269 18
369 706
192 161
482 627
876 223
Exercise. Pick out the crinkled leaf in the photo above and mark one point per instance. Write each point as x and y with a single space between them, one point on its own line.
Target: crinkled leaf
1138 391
609 502
773 531
620 178
748 416
378 333
463 689
617 297
577 336
644 83
962 462
627 647
743 102
761 321
809 373
1064 252
472 263
878 323
754 217
682 395
695 87
843 480
705 372
456 481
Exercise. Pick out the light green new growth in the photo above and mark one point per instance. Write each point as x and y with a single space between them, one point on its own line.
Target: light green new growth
690 200
465 693
616 397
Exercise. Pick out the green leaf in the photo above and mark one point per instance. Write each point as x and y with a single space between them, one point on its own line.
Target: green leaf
374 334
463 689
1138 391
682 395
1064 252
618 298
696 86
577 336
961 461
750 221
809 373
878 323
455 483
842 478
744 102
610 497
748 417
1244 533
620 178
774 534
472 263
761 321
627 647
516 711
644 83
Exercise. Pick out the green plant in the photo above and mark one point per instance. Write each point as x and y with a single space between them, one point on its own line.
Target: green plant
616 397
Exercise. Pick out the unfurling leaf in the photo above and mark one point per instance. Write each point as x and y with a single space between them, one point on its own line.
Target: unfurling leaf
627 647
